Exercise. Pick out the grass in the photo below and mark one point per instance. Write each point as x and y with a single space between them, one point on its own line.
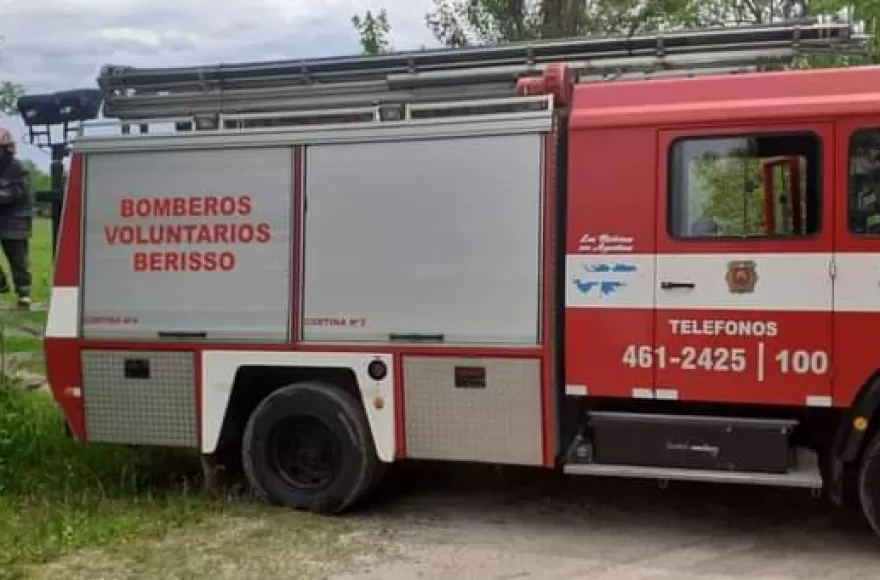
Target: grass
15 342
41 271
57 496
74 511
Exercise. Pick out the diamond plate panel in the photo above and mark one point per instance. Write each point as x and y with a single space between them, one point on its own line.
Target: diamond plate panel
499 422
140 398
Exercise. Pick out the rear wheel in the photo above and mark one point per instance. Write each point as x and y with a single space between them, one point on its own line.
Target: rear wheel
869 484
308 446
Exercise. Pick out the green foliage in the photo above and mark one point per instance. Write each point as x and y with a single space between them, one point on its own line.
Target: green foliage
38 462
457 23
9 94
728 185
40 180
466 22
864 11
41 271
731 193
373 31
57 496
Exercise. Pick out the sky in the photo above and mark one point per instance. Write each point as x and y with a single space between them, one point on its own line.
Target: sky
50 45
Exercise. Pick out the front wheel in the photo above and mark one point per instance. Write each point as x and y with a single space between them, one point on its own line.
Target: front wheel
869 484
308 446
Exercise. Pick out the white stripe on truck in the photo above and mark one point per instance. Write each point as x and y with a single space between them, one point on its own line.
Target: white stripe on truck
785 282
63 318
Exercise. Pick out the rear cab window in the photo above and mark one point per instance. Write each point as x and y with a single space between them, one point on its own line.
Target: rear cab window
864 182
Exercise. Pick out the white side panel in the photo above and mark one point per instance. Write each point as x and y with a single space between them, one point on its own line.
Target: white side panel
63 317
576 390
857 282
609 281
786 282
819 401
218 373
436 237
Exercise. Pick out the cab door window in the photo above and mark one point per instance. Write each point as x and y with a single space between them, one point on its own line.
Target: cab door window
745 187
864 182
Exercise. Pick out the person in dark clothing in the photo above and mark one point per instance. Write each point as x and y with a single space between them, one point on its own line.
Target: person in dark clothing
16 213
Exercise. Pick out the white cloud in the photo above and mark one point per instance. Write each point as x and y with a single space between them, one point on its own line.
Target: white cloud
60 44
150 37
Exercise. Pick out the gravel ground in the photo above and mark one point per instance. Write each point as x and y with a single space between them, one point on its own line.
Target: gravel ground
460 523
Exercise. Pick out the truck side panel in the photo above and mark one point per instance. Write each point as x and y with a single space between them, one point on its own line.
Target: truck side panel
435 240
190 243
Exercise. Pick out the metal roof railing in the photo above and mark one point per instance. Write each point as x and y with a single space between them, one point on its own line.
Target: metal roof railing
136 94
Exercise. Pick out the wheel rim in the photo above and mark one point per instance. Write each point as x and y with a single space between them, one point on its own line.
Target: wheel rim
304 452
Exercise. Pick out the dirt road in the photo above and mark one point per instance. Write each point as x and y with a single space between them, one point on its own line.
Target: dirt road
435 522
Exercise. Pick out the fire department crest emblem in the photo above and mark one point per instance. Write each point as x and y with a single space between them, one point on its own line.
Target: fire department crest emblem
741 276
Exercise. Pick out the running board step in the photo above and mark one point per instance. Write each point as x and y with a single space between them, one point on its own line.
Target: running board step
804 474
688 442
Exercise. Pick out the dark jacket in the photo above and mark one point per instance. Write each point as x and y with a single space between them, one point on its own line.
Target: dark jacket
16 200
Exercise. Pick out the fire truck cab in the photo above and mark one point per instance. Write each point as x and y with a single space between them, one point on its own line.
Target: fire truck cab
440 255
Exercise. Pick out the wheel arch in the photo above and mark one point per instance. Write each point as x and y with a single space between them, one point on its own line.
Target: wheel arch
849 441
233 386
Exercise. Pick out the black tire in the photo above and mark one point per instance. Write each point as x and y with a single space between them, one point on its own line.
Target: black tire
869 484
325 416
378 477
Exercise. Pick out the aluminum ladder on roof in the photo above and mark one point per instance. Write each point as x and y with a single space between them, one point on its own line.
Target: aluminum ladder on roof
140 94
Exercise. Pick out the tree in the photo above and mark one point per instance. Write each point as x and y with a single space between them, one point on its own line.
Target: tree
732 192
466 22
9 93
40 180
373 31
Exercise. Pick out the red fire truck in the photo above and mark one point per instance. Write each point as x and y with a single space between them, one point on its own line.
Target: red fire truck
633 257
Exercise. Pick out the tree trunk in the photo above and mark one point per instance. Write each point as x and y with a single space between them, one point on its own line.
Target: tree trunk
560 18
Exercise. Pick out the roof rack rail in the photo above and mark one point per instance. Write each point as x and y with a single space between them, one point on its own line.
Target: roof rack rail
138 94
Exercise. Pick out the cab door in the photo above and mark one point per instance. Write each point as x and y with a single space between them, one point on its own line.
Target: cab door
743 277
857 256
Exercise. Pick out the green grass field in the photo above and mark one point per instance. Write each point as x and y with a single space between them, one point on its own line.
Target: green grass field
18 343
41 270
57 496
